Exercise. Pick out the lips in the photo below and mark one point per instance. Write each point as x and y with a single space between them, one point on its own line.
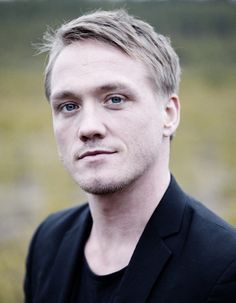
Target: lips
91 153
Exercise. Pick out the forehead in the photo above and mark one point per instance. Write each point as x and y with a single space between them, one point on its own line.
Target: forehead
93 51
95 60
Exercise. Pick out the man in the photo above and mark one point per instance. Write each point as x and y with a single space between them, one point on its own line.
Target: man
112 84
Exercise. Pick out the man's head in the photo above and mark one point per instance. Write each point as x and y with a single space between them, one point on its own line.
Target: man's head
131 35
113 101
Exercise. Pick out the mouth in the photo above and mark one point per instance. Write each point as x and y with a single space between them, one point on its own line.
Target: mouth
94 153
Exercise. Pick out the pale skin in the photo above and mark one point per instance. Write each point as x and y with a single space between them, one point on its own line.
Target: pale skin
113 133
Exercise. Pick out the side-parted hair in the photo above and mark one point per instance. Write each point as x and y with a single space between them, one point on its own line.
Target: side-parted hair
132 36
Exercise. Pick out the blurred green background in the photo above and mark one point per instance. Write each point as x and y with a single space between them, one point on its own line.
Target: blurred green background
33 183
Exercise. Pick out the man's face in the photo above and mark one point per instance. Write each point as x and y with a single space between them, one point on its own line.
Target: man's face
107 119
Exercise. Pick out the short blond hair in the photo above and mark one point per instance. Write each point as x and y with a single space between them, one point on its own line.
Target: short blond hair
131 35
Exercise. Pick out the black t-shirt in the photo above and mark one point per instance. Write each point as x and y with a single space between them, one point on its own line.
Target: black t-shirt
92 288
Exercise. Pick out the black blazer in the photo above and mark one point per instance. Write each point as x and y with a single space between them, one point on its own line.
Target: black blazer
186 254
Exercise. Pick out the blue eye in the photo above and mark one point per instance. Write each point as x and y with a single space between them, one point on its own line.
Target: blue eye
69 107
116 100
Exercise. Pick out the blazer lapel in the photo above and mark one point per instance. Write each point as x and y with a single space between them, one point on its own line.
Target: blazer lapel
59 285
143 270
153 251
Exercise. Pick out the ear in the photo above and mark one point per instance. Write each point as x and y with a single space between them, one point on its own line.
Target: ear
171 115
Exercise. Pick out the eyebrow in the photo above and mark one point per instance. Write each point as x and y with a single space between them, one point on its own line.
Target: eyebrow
61 95
66 94
111 87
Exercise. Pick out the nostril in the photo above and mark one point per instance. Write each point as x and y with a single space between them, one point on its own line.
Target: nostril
91 128
84 138
91 136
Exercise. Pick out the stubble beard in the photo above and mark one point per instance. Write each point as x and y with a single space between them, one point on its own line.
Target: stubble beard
125 181
98 185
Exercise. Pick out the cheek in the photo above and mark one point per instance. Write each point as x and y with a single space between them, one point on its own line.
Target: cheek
147 125
62 137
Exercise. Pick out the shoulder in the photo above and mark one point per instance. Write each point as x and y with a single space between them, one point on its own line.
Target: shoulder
65 219
178 211
209 250
212 242
46 243
50 233
56 225
209 225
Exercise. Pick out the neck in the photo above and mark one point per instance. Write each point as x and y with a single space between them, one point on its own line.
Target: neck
120 218
130 208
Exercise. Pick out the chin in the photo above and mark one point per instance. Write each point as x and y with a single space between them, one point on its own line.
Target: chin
100 188
103 187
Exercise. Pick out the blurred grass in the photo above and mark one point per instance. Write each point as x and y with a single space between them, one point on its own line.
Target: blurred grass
203 153
33 182
11 268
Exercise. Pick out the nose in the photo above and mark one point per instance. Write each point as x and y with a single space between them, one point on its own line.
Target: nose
91 126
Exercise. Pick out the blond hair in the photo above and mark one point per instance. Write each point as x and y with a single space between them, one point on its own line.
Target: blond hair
134 37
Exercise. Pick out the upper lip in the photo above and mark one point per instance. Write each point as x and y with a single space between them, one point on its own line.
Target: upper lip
94 153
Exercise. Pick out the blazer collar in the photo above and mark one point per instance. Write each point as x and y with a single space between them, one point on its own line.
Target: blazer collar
152 251
168 215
